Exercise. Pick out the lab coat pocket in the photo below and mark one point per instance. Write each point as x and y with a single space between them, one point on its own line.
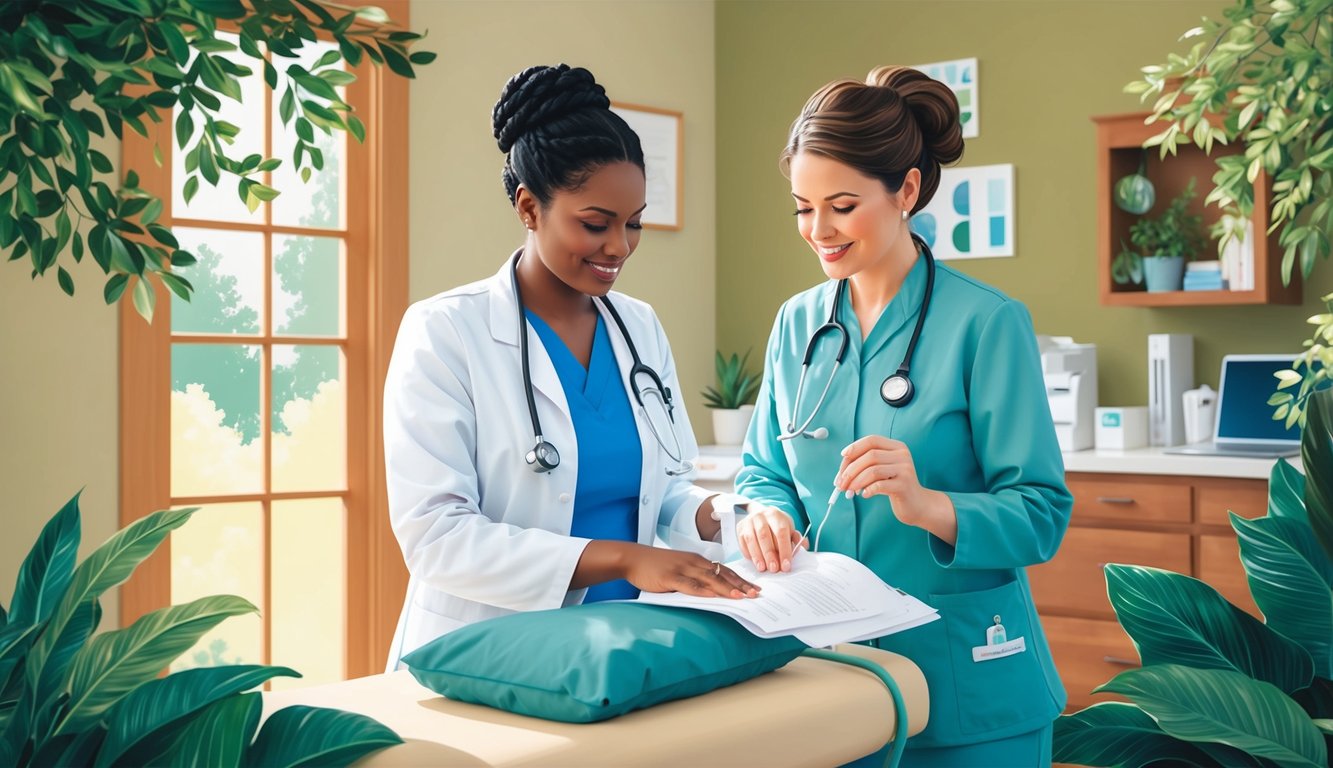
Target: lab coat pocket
998 682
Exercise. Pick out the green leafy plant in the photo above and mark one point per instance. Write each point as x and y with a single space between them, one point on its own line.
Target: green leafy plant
736 386
1175 232
1218 686
71 69
1308 373
1261 77
68 698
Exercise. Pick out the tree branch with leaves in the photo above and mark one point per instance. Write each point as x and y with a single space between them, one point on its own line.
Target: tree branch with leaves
72 69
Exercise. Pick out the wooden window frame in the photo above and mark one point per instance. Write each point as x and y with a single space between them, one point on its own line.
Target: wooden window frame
377 296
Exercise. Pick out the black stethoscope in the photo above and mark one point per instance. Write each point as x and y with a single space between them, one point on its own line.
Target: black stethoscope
544 457
897 389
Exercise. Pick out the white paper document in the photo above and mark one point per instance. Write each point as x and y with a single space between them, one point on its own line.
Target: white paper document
825 599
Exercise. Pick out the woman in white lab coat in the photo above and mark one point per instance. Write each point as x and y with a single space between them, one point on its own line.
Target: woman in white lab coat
532 443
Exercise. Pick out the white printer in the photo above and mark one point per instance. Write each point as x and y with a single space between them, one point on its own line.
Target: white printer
1070 372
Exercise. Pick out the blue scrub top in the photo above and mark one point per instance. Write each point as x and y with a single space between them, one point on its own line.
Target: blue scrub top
606 498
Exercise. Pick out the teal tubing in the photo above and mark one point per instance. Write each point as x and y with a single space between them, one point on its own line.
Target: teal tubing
899 709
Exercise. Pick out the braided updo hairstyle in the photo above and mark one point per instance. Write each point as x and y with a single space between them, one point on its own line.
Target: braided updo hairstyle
898 119
557 128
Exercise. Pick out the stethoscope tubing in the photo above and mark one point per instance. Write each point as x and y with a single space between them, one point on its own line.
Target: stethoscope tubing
834 325
536 457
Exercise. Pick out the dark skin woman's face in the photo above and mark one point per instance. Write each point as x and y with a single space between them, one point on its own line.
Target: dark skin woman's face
585 235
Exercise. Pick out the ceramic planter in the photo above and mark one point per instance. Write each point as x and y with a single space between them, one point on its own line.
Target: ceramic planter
730 424
1164 273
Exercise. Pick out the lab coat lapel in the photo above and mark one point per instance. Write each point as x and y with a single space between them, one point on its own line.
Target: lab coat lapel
649 449
504 329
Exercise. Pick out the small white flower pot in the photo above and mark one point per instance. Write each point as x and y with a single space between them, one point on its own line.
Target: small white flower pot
730 425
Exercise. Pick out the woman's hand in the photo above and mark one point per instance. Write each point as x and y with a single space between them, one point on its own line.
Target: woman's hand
767 537
653 569
881 466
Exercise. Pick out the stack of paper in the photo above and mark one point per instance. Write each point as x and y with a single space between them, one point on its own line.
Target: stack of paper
825 599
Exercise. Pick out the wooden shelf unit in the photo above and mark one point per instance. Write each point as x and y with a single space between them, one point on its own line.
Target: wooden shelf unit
1119 147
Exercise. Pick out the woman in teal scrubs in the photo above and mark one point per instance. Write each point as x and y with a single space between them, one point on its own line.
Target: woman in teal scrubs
951 477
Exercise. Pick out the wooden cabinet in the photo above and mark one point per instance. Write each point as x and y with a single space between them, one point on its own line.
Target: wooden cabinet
1119 149
1165 521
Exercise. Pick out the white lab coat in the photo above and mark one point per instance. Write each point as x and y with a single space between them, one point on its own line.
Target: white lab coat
482 534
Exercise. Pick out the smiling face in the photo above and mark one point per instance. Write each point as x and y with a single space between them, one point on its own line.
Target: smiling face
851 221
584 235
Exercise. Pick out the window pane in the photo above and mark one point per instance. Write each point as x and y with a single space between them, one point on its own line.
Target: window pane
215 445
220 551
307 285
221 203
228 282
309 590
309 418
319 202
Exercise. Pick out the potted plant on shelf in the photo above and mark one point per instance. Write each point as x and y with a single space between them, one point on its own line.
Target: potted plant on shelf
731 400
1163 244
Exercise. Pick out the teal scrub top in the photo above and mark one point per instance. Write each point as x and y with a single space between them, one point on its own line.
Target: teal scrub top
979 429
606 496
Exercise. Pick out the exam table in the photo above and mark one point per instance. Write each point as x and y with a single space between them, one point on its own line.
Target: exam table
812 712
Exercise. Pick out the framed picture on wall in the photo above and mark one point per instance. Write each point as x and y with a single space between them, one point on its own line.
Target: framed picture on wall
971 215
663 136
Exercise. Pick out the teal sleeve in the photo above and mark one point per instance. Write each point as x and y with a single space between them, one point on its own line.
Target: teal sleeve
765 476
1021 517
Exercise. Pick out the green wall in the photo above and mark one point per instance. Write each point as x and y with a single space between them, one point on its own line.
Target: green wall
1044 69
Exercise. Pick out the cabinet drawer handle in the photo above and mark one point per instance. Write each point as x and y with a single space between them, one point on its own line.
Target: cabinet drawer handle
1115 500
1116 660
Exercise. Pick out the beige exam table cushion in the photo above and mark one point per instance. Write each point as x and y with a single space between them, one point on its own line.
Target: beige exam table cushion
809 713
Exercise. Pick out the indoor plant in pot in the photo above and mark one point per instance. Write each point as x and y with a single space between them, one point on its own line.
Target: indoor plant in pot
1164 243
731 398
1218 686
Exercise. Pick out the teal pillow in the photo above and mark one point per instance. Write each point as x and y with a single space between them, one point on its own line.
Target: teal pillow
590 662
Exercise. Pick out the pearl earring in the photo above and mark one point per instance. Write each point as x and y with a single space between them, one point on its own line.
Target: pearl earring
905 214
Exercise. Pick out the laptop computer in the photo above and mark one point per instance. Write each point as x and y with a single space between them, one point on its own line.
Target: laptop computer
1243 423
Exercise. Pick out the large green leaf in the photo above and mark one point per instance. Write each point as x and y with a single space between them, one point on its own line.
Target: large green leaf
151 708
310 736
1290 580
1176 619
219 734
1286 491
1114 733
1317 458
43 693
15 639
222 9
1224 707
109 565
1317 700
46 571
116 663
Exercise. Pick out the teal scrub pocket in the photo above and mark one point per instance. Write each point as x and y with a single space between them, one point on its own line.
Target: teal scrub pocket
997 686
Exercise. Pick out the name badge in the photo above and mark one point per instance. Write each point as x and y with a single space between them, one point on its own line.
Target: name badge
998 651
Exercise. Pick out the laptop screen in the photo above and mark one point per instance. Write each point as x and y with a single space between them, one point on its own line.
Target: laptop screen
1244 414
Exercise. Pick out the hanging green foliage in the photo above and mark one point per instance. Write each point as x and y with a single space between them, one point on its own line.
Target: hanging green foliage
1262 77
74 69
